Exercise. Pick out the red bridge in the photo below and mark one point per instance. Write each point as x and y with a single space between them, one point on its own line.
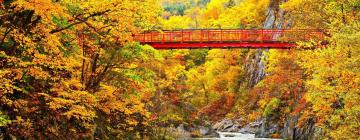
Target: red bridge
227 38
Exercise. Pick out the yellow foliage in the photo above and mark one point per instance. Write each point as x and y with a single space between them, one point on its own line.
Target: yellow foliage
177 22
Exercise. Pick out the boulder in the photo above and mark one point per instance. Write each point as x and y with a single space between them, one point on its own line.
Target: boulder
228 125
251 128
225 125
268 127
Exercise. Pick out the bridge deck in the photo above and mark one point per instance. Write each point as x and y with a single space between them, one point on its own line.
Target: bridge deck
221 38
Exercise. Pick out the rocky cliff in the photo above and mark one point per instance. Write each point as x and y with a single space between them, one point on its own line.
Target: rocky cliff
255 68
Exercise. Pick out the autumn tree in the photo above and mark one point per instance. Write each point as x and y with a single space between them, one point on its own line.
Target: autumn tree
54 59
308 83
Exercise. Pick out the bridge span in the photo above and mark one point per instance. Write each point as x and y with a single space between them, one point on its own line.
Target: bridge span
228 38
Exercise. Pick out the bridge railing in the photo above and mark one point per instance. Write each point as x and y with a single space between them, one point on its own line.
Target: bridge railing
228 35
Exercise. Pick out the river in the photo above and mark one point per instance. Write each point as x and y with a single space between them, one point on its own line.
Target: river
232 136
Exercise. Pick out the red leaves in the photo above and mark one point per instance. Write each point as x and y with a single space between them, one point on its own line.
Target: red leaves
300 106
219 108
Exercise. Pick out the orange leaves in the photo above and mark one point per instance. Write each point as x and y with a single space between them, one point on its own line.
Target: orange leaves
72 103
41 67
275 135
281 91
111 101
23 127
300 107
123 113
219 108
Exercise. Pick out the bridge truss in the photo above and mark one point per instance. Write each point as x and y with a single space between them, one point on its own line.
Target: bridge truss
228 38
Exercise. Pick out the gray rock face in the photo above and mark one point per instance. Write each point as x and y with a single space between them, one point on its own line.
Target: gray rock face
288 130
210 134
255 67
274 20
251 128
267 128
183 131
179 131
227 125
308 131
204 130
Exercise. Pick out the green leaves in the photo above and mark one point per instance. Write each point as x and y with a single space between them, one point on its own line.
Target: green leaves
61 21
4 119
272 107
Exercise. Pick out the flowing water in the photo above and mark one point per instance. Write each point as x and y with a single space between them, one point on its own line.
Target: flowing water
232 136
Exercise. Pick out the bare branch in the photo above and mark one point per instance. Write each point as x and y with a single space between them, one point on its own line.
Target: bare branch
79 22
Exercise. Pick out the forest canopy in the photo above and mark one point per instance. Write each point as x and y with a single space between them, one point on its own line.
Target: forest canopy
72 70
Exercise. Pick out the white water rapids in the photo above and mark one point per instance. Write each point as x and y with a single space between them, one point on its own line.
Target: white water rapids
234 136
